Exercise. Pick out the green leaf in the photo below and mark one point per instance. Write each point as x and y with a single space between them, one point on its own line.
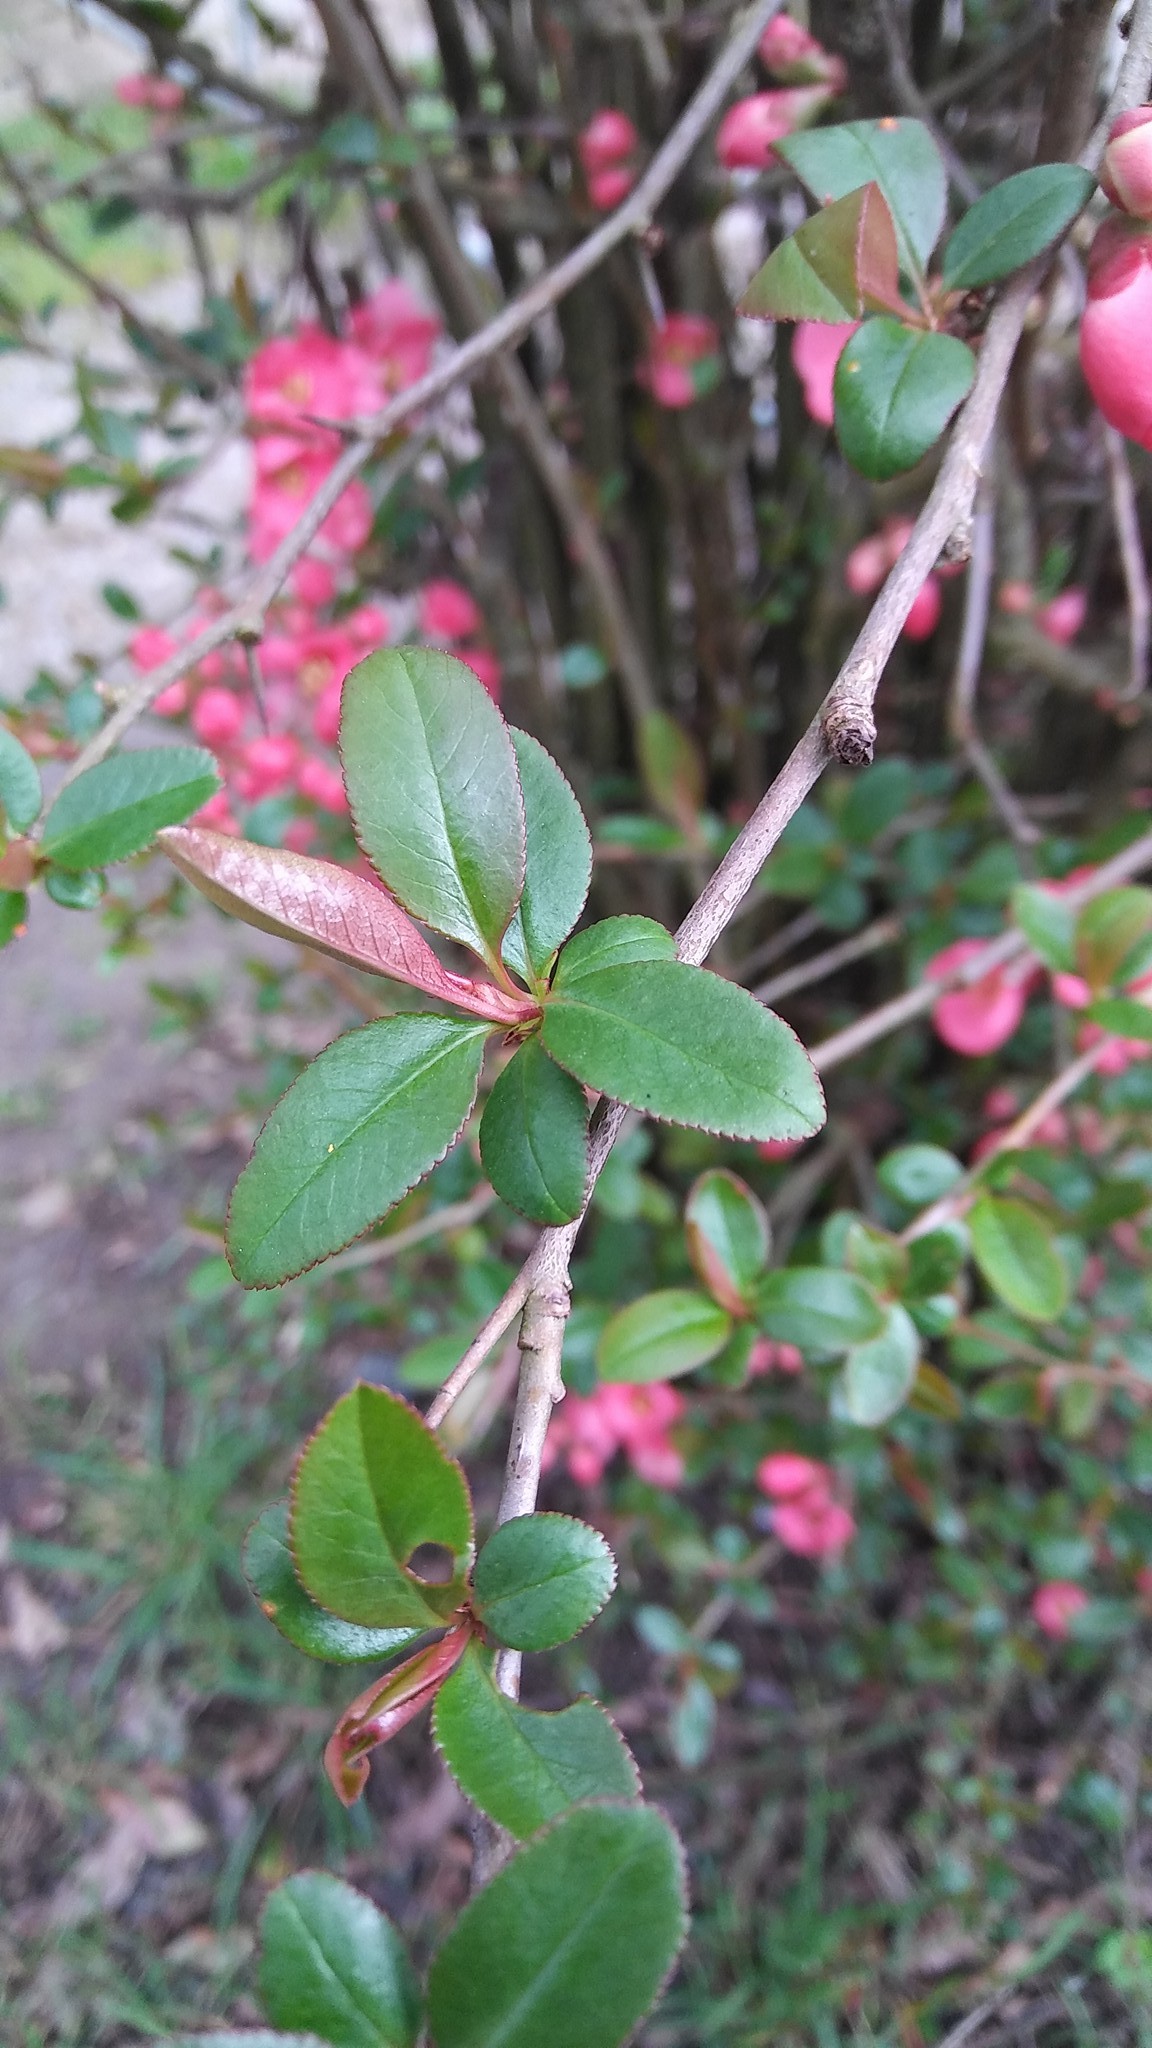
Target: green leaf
1013 222
75 892
899 155
558 861
818 1308
367 1120
1108 930
13 913
372 1485
540 1579
271 1574
879 1376
935 1259
436 802
332 1962
661 1336
1124 1015
245 2037
328 907
1015 1253
1048 923
673 769
20 792
841 264
117 807
534 1137
875 798
684 1045
520 1767
571 1941
894 393
616 942
728 1238
918 1174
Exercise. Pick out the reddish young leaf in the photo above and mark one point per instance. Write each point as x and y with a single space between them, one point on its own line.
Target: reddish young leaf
327 907
386 1707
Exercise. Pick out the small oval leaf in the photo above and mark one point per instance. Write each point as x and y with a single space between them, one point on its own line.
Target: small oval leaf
880 1374
116 808
558 861
894 393
534 1137
20 793
571 1941
1014 1251
332 1962
662 1335
728 1238
540 1579
1013 222
818 1308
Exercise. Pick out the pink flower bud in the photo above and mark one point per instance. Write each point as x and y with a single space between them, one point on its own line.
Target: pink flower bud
816 350
1016 600
1055 1604
217 813
750 130
486 665
1114 334
1061 619
447 612
791 54
813 1529
787 1475
172 701
314 582
867 565
924 615
1126 173
271 762
982 1017
216 717
683 359
607 188
608 139
150 647
322 785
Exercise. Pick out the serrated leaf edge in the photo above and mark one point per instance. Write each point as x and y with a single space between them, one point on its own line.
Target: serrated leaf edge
577 1521
544 1714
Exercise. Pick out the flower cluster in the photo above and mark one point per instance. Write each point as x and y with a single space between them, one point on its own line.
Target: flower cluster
1059 620
683 360
321 627
588 1430
806 1516
148 89
869 563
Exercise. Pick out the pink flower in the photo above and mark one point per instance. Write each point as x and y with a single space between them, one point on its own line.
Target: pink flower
217 813
1072 990
1016 599
607 188
983 1016
1055 1605
270 764
924 615
279 499
816 350
486 665
1126 173
869 563
767 1356
750 130
308 372
172 702
314 582
1114 352
791 54
683 360
1062 617
448 612
145 89
151 647
813 1528
321 785
217 717
787 1475
397 332
779 1148
589 1430
609 138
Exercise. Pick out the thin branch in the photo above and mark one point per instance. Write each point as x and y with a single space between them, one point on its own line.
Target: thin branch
487 1337
462 367
882 933
1126 515
913 101
966 677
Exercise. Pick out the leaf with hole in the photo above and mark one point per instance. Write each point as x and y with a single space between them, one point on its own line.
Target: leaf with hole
684 1045
558 861
728 1239
372 1486
898 155
879 1375
570 1943
840 265
661 1336
365 1121
1014 1250
540 1579
271 1575
520 1767
1013 222
329 908
116 808
894 392
333 1963
818 1309
431 776
20 794
534 1137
